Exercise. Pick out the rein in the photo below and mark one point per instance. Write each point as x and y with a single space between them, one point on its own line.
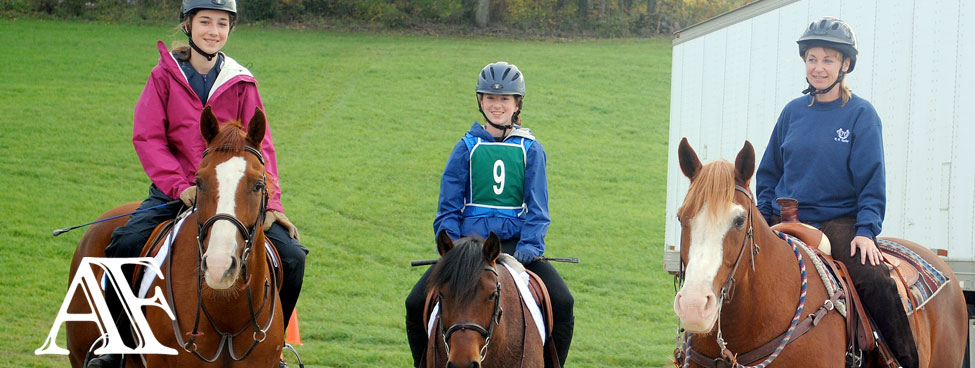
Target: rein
727 356
270 288
486 333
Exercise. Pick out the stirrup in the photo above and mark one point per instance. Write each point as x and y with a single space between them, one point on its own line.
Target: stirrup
298 356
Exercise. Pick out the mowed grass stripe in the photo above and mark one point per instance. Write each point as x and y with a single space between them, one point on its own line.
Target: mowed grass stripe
363 125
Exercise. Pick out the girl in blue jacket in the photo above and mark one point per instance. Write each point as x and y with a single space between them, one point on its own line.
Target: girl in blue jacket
827 152
500 188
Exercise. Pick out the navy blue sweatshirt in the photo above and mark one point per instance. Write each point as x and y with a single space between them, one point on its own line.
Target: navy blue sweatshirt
830 158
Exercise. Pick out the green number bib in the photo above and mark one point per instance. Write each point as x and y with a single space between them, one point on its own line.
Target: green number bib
498 175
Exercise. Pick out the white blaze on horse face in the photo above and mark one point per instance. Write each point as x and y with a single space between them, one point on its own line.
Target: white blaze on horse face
222 242
696 304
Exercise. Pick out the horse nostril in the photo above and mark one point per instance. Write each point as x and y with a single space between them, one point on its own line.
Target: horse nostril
203 263
475 365
233 263
450 365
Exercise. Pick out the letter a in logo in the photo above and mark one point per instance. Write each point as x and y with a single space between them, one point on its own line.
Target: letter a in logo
100 315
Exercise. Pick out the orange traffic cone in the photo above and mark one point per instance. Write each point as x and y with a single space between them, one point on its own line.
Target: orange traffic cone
293 336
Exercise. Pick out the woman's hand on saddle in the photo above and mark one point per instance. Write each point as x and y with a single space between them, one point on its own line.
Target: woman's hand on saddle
188 196
868 250
271 216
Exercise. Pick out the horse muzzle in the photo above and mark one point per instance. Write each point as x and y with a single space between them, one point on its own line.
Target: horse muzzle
696 308
220 273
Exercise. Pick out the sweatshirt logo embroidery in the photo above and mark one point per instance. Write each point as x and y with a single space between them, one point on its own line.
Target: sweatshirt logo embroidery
842 135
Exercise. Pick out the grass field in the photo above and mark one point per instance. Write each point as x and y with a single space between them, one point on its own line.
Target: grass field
363 125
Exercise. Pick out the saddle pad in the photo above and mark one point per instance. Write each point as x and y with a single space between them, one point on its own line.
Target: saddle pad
521 280
149 275
930 281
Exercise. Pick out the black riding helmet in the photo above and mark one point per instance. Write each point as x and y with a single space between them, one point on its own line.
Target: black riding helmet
832 33
190 7
501 78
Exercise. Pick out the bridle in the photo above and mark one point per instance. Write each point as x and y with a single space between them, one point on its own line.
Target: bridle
485 332
270 284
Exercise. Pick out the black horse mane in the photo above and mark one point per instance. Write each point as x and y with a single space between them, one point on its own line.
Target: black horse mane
460 269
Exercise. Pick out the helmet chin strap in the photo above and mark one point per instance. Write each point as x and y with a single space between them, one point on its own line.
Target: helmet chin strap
812 91
189 37
204 53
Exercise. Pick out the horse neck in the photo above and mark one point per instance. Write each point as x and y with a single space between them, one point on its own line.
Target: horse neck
766 296
508 329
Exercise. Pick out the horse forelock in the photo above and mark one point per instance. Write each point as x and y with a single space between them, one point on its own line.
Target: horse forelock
460 269
232 138
713 187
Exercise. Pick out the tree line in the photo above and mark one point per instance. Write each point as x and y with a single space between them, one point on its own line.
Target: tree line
597 18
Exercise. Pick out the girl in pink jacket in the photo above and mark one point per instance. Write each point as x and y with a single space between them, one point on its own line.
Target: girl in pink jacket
166 136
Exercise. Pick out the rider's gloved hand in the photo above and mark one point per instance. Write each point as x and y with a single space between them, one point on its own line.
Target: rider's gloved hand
271 216
188 196
524 257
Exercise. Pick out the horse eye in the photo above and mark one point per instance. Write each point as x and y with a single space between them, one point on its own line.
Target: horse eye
258 186
199 184
740 222
492 297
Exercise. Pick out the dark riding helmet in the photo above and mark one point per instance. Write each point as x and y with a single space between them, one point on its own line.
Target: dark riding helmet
190 6
501 78
832 33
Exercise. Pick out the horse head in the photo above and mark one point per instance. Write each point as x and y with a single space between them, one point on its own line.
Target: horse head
231 196
716 227
469 289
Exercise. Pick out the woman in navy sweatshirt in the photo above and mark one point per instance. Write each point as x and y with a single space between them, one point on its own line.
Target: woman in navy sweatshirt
826 151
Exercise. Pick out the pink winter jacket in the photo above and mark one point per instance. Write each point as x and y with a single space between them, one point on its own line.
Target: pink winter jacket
166 133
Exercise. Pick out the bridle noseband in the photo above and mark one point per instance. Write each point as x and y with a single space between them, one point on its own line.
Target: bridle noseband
487 333
270 287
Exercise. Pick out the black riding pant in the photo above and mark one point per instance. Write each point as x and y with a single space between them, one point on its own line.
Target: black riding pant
563 319
129 239
876 289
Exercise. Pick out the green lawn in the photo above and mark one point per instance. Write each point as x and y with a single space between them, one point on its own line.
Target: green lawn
363 125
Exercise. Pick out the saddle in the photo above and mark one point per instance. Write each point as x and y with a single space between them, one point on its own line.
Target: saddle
539 295
860 328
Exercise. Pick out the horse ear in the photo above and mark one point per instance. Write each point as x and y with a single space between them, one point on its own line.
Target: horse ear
492 247
209 127
444 243
256 128
745 162
689 163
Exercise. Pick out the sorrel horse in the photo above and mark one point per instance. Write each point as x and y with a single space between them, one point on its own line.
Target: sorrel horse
217 279
481 320
743 284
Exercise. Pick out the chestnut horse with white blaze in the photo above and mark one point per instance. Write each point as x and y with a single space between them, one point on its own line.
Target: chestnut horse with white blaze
743 287
218 279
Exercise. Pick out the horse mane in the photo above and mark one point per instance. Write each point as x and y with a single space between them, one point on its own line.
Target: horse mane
460 268
714 185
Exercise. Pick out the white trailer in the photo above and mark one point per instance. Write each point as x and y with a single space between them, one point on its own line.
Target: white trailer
732 75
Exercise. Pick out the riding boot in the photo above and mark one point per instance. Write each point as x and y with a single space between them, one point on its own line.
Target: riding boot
416 332
121 323
884 305
562 337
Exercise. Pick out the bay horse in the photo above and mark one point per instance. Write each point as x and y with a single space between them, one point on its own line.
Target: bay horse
743 284
217 278
481 320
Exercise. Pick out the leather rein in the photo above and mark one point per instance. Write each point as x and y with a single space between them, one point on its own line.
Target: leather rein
487 333
270 285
